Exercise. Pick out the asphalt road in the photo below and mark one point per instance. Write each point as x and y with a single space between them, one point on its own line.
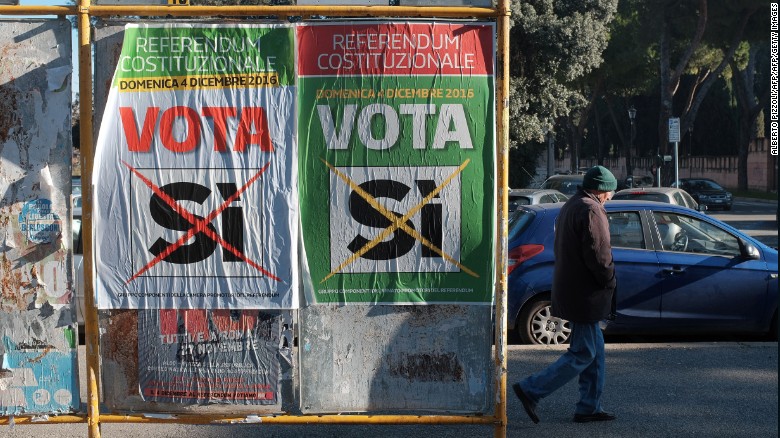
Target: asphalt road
757 218
703 389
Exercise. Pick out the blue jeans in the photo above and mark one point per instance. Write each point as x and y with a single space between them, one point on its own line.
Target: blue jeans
584 358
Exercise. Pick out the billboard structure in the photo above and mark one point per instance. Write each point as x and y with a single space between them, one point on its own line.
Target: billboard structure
185 212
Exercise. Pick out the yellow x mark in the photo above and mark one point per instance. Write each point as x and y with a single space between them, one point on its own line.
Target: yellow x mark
397 222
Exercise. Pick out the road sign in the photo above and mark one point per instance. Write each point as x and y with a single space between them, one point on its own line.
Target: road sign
674 130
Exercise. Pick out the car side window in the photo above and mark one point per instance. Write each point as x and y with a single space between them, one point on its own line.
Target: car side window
547 199
625 230
689 202
679 200
76 232
682 233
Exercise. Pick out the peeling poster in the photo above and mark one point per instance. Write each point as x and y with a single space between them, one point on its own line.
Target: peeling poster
217 356
38 372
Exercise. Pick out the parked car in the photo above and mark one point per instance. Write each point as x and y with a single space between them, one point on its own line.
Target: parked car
633 181
518 197
75 182
566 184
706 191
678 271
670 195
78 265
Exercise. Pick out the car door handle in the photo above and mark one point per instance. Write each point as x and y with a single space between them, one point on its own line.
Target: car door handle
674 270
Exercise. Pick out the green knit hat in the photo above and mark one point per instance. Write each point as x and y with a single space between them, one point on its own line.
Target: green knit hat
599 178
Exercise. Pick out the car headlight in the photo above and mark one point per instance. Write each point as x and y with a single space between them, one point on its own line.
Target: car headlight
728 195
703 197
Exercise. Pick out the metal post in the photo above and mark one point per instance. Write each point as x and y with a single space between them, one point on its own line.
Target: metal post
690 148
502 168
85 133
676 164
629 170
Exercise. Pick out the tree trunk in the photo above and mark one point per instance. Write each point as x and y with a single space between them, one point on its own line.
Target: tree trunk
749 109
670 77
599 135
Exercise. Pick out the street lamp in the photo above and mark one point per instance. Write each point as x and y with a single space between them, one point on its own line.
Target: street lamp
629 170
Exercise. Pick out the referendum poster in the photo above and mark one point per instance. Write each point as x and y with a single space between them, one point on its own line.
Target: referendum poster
397 137
38 356
195 170
209 356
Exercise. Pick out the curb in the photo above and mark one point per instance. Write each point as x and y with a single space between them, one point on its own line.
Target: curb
763 201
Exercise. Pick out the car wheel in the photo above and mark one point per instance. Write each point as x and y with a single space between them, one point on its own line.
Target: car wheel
538 326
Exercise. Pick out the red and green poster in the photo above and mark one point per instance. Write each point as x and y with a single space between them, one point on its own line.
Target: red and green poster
209 356
397 143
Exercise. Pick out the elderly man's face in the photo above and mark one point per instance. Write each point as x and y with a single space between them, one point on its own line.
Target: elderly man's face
603 197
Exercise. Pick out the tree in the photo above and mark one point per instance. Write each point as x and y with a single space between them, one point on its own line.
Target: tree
752 91
698 38
552 46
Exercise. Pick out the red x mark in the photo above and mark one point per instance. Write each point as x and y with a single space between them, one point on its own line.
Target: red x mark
198 225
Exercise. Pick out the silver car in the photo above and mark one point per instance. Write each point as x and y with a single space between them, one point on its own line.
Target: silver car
518 197
566 184
78 264
669 195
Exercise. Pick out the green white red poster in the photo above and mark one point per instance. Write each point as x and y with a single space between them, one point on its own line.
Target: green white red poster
397 144
195 203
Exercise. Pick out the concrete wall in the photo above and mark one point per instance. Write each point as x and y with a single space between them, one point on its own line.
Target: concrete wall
762 167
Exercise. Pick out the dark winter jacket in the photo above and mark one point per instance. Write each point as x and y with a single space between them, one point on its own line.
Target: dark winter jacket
584 278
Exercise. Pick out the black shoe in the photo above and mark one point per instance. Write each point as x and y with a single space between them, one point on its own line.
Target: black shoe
528 405
598 416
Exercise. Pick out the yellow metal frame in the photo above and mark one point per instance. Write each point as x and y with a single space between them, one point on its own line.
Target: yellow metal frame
84 10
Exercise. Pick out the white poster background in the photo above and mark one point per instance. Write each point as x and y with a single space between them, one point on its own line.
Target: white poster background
127 275
344 228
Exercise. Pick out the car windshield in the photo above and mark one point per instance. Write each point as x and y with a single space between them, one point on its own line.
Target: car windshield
519 222
568 187
704 184
520 200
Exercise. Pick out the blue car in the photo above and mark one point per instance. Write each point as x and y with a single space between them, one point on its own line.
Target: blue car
678 272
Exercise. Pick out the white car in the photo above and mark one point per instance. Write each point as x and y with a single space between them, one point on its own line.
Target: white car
78 263
519 197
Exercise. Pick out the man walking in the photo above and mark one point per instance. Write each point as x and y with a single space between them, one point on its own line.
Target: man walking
582 290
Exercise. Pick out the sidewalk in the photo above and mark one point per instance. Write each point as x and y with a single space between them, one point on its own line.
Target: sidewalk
759 200
656 390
